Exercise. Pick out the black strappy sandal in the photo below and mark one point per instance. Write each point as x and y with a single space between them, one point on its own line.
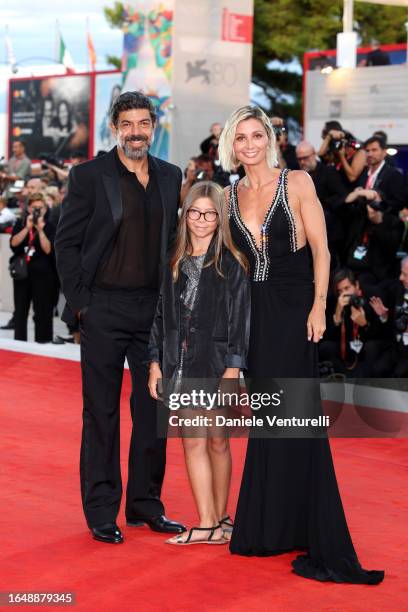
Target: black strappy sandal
229 526
178 540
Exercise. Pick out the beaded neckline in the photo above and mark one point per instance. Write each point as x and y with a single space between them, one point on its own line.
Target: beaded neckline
261 254
264 225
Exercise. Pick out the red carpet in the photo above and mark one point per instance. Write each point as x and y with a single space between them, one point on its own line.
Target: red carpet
46 547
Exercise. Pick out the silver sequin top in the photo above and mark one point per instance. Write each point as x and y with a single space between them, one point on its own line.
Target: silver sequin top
191 266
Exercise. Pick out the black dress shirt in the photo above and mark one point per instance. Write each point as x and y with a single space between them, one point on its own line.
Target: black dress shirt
135 257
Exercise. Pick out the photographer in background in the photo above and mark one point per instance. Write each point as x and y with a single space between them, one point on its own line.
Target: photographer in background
330 191
286 151
17 168
393 361
384 182
354 337
209 146
372 239
202 168
32 239
341 150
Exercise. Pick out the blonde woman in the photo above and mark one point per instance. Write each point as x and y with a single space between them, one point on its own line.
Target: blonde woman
201 331
289 496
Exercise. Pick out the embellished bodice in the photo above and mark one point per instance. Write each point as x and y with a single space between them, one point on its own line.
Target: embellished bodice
278 233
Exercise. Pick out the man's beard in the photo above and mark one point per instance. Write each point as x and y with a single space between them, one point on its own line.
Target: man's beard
131 153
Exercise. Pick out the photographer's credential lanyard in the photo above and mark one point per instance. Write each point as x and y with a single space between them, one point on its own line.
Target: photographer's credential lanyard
361 250
343 342
30 247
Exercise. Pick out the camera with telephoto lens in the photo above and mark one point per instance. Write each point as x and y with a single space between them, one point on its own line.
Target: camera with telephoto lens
401 317
348 140
36 215
357 301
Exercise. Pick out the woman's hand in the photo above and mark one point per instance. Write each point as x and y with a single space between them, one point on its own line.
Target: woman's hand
155 374
29 222
316 323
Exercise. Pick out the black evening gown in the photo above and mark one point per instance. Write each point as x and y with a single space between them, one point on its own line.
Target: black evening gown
289 498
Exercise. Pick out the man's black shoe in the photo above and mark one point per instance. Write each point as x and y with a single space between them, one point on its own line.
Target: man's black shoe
9 325
108 533
158 523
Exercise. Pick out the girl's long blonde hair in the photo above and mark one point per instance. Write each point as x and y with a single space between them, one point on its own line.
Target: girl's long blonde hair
222 234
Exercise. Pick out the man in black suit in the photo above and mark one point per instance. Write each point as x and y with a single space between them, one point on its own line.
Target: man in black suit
379 181
331 192
116 224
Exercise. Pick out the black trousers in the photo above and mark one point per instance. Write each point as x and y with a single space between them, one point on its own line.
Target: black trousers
115 325
392 362
38 288
329 350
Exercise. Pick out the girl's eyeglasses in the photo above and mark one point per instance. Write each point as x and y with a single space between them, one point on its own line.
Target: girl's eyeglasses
195 215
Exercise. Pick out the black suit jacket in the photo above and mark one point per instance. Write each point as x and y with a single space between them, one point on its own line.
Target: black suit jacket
390 185
90 217
331 192
220 321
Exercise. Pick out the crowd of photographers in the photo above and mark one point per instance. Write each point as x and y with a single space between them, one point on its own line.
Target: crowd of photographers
30 204
365 202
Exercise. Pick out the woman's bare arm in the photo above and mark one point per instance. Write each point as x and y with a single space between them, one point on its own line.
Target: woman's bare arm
312 215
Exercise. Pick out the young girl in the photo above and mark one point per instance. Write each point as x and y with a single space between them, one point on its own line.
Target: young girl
201 330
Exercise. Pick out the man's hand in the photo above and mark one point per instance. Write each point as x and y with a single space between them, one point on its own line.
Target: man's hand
358 316
191 175
155 374
377 305
370 194
277 122
376 217
357 193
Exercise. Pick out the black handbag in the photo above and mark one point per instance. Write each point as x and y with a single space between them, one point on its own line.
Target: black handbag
18 267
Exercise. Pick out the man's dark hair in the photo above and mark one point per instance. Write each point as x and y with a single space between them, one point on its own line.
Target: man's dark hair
20 140
128 101
341 275
374 139
332 125
382 135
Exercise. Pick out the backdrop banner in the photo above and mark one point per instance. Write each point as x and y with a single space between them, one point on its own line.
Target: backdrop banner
107 88
147 60
51 114
364 100
212 58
